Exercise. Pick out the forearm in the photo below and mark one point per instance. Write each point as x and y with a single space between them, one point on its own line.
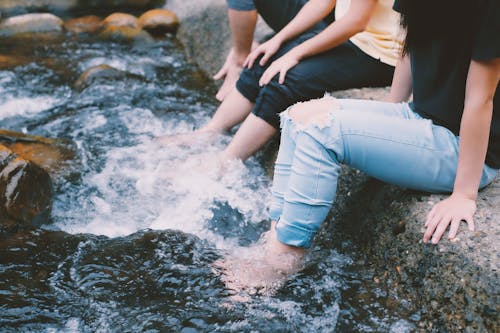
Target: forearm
242 25
353 22
401 87
311 14
482 81
474 134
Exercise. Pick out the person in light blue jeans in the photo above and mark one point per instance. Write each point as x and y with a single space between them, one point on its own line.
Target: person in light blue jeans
388 141
447 140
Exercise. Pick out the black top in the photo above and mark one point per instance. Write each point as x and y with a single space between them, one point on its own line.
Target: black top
441 63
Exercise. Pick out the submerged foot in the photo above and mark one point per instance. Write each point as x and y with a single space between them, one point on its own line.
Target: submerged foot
262 268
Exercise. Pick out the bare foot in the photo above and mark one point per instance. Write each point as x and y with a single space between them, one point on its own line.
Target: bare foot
262 268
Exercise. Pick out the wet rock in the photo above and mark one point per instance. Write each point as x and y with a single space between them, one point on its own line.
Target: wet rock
31 23
125 34
7 62
86 24
158 21
204 31
102 73
25 192
121 20
53 155
12 7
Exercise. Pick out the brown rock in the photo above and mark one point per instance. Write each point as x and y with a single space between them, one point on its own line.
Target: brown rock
102 73
31 23
158 21
7 62
50 154
120 20
86 24
125 34
25 191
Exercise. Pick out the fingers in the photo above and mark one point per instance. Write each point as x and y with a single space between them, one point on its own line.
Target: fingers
431 215
265 58
470 222
221 73
268 75
283 72
250 60
431 227
440 229
455 223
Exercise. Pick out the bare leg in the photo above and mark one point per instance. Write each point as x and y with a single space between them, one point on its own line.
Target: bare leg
232 111
251 136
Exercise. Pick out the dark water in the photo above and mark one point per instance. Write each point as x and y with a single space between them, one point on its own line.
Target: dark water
136 228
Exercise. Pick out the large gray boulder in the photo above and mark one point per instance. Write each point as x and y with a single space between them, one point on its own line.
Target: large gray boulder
204 31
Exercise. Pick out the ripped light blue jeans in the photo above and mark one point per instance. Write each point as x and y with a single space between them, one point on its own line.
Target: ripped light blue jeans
387 141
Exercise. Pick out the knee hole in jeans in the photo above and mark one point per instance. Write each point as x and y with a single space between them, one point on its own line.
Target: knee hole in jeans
315 111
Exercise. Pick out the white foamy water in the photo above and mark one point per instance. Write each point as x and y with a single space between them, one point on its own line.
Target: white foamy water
25 106
146 186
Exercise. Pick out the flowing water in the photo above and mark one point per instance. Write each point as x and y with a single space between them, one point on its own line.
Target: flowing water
136 228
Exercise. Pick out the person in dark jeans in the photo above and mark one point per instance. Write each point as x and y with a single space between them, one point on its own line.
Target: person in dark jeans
308 56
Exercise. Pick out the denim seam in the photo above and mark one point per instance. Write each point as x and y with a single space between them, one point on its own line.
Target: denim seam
384 139
293 226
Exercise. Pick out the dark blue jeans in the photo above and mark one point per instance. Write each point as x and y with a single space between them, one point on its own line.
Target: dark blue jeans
342 67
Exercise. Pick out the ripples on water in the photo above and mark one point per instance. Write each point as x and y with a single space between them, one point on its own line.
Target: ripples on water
136 227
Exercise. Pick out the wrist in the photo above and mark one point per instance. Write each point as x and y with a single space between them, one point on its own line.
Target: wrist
296 53
465 193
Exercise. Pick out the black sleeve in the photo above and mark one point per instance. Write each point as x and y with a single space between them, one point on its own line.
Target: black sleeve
397 6
487 44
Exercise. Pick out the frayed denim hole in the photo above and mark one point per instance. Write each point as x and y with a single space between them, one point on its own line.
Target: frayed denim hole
287 123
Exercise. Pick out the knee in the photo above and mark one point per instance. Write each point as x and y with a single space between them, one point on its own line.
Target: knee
315 111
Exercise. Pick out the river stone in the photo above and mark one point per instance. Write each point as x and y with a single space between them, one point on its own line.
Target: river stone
25 192
12 7
120 20
102 73
125 34
7 62
158 21
86 24
53 155
31 23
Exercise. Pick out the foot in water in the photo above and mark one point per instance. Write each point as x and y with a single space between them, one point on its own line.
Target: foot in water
262 268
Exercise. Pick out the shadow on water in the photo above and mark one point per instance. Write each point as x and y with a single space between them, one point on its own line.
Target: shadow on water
137 227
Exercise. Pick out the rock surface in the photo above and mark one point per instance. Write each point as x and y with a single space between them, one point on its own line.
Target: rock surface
158 21
15 7
120 20
204 31
53 155
102 73
86 24
125 34
25 192
31 23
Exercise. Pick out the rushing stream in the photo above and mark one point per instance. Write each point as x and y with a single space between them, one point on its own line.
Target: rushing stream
136 228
